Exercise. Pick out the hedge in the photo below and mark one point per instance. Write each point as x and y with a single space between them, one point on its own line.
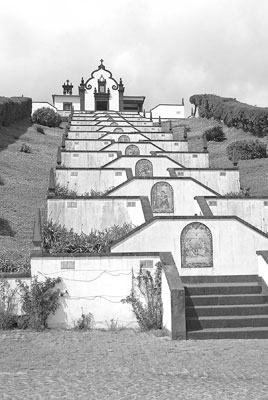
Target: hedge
232 113
14 109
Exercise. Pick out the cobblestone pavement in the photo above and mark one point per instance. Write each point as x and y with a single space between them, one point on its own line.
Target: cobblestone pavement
129 365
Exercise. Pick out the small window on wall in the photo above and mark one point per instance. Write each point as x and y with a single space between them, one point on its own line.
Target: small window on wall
67 106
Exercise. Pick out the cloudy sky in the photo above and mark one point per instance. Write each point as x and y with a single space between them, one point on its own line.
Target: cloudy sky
163 49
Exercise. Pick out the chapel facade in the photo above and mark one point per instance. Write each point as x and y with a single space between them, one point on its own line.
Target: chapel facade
100 92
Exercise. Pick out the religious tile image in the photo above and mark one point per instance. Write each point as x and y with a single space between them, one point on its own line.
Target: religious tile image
196 246
162 198
132 150
144 168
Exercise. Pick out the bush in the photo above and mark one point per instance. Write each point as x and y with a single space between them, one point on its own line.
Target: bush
8 317
145 298
10 265
39 129
57 239
215 134
5 228
38 302
64 192
46 116
14 109
85 323
232 113
247 149
25 148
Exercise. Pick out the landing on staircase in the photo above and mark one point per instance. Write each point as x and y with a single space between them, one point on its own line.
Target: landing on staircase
225 307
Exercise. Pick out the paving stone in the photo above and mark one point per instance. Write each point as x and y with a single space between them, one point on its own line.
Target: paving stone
129 365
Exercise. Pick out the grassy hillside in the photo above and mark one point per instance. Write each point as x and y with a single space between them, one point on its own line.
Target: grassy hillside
25 176
253 173
25 179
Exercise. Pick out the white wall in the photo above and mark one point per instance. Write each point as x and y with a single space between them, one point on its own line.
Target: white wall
222 181
262 269
134 137
84 135
190 159
184 192
234 244
87 159
60 99
159 136
83 215
95 285
168 111
83 180
172 145
144 148
251 210
160 164
86 145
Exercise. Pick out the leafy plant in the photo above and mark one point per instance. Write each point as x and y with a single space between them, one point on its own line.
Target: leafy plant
9 265
64 192
8 305
38 302
46 116
96 193
247 149
5 228
215 134
85 323
232 113
39 129
243 192
145 298
57 239
25 148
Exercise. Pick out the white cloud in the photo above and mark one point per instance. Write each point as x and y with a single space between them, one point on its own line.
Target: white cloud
162 49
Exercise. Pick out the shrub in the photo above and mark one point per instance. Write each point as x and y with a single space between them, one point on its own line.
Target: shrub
145 298
14 108
64 192
85 323
38 302
215 134
96 193
8 304
232 113
46 116
8 264
25 148
39 129
5 228
247 149
243 192
57 239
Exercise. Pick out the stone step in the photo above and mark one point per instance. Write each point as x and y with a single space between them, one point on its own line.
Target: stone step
191 301
227 322
218 279
229 333
220 311
204 289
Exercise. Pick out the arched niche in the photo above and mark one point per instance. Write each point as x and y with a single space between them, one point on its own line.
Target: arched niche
118 130
124 138
162 198
113 124
132 150
144 168
196 246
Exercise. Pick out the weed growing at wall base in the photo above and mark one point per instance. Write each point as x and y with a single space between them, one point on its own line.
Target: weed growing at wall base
145 298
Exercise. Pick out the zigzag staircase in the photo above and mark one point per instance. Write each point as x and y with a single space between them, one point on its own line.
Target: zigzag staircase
225 307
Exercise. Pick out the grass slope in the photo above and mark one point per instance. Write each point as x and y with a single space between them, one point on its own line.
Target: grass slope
25 179
253 173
